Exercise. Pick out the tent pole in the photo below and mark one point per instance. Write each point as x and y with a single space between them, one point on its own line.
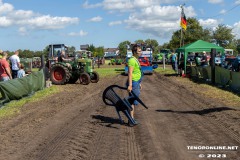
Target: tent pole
181 38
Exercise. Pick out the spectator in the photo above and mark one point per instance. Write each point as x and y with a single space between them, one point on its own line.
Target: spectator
21 72
174 61
197 59
181 66
15 62
204 61
5 71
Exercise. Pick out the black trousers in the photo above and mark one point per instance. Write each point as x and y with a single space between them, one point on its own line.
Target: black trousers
14 73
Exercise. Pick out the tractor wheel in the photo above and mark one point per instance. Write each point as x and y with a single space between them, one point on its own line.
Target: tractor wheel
84 78
59 74
94 77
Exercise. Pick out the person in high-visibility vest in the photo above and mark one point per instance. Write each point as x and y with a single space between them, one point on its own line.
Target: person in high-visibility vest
134 75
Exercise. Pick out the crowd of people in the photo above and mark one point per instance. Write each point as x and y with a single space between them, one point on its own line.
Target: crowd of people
178 62
10 67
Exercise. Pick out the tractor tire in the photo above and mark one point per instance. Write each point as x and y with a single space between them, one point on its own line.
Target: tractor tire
84 78
94 77
59 74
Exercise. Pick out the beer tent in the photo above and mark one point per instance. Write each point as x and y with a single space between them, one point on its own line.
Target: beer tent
197 46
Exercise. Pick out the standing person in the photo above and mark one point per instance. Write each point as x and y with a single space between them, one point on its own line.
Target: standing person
197 59
21 73
174 61
15 62
134 75
181 66
204 61
5 71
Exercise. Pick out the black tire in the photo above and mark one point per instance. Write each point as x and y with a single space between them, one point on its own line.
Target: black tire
59 74
94 77
84 78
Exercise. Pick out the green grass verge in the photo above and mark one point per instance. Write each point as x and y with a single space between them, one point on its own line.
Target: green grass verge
167 70
14 107
108 72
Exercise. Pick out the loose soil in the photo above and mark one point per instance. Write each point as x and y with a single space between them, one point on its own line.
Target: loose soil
76 124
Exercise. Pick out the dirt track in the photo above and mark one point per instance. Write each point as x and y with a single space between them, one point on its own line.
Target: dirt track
77 125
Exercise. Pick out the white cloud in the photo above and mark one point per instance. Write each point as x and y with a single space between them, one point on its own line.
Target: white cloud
48 22
5 8
237 2
209 23
236 30
22 31
114 23
29 20
118 5
87 6
159 21
215 1
5 22
95 19
127 5
81 33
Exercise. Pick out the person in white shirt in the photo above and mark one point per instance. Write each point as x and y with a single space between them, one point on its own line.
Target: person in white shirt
15 63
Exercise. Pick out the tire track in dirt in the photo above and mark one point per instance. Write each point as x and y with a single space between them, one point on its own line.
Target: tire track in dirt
199 103
175 105
82 124
104 138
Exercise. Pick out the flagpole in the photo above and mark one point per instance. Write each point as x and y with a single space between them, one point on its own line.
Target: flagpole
181 37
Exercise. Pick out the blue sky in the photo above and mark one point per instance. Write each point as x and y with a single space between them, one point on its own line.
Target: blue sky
31 24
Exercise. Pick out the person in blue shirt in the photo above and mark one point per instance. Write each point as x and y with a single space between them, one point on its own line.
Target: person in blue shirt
21 72
174 62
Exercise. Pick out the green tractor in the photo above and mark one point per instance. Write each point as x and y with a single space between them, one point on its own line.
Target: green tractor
75 68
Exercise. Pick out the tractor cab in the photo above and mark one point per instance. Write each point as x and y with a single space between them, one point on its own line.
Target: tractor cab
54 52
71 68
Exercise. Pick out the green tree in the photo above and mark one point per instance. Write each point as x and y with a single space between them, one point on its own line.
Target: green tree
91 48
139 41
25 54
71 49
223 35
38 53
153 43
46 51
100 51
123 46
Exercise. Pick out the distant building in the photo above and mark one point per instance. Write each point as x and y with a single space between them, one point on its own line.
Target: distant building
84 47
110 52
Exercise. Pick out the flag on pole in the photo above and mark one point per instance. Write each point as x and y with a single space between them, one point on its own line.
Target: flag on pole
183 22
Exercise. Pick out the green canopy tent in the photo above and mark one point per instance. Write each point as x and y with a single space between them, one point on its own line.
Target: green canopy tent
197 46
